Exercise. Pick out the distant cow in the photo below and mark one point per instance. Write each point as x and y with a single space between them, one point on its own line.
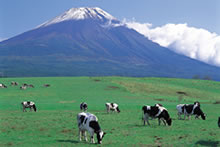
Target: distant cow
190 109
46 85
23 87
3 86
112 107
89 122
156 111
30 105
83 106
13 83
31 86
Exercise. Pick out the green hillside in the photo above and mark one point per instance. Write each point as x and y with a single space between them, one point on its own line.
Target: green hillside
55 122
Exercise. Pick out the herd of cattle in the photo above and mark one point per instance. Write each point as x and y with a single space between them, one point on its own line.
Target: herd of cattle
88 122
23 86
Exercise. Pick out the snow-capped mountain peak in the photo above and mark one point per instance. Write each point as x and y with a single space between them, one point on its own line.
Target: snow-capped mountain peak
79 14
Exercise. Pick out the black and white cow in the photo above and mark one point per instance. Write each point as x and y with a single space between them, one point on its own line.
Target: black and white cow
83 106
30 105
112 107
190 109
23 87
3 85
13 83
156 111
89 122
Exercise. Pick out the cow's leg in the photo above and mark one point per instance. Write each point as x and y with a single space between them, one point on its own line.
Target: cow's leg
80 135
147 119
184 116
92 137
179 115
159 121
84 135
164 122
188 117
144 119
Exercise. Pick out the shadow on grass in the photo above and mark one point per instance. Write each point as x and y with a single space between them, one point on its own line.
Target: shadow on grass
69 141
207 143
76 142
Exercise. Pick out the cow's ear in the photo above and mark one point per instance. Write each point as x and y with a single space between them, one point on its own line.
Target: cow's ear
104 133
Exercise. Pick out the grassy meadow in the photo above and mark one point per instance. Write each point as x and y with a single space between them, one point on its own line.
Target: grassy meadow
54 124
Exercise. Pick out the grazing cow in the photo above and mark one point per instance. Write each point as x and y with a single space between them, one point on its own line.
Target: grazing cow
156 111
3 86
23 87
89 122
31 86
46 85
190 109
83 106
113 107
30 105
219 122
13 83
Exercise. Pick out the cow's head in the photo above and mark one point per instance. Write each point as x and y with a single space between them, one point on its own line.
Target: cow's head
118 110
100 136
203 116
35 108
169 122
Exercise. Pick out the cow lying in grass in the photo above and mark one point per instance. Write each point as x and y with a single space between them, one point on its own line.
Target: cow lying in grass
89 122
156 111
30 105
83 106
112 107
190 109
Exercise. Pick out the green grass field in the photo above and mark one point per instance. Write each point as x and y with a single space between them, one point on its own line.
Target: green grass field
55 122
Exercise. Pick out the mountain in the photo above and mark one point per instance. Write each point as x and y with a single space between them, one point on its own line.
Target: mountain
91 42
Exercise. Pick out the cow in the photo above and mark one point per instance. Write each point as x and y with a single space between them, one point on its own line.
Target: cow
28 104
156 111
31 86
13 83
23 87
46 85
83 106
3 86
89 122
190 109
112 107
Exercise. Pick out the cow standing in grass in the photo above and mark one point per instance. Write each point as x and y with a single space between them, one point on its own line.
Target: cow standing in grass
112 107
89 122
3 86
13 83
23 87
30 105
190 109
156 111
83 106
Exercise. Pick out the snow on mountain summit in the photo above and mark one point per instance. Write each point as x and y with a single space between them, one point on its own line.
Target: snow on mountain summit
80 14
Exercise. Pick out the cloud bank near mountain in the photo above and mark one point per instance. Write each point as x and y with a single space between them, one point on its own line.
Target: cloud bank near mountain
196 43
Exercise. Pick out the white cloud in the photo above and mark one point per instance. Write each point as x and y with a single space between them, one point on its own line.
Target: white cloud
193 42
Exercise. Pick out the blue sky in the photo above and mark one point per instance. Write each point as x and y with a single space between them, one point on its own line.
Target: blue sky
18 16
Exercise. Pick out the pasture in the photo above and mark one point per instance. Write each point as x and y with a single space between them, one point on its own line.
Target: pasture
54 123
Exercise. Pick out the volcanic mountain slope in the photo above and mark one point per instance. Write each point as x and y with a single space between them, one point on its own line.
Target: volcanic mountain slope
91 42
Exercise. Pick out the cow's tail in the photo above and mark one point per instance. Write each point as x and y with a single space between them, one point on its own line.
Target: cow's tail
34 107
